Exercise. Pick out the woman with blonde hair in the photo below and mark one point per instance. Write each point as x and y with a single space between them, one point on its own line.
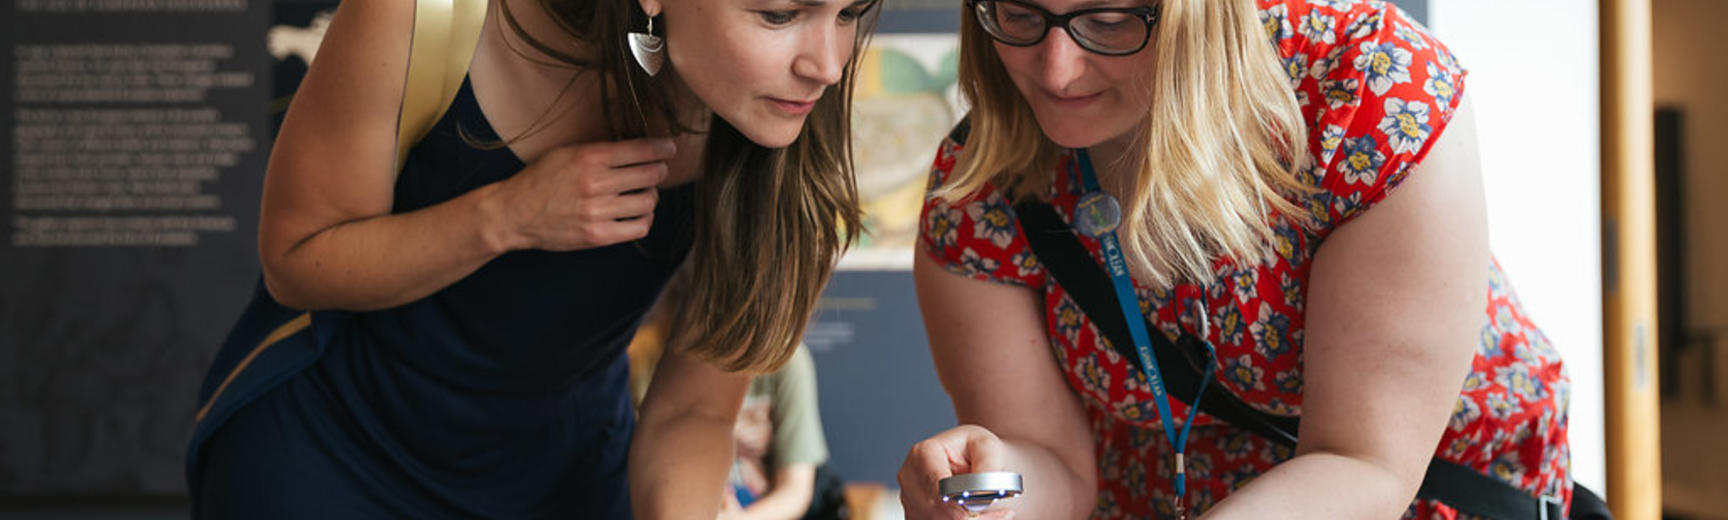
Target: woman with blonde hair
473 303
1175 230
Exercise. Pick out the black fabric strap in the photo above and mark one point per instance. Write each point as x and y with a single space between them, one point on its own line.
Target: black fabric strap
1068 262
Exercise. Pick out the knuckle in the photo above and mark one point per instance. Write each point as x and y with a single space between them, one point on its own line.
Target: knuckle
588 186
920 448
584 156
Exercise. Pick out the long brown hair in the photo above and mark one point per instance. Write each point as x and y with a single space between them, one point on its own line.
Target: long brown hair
770 223
1217 154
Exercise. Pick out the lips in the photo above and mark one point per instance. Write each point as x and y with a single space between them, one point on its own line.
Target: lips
1072 102
792 107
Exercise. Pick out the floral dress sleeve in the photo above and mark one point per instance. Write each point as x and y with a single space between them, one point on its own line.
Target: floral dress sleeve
1377 90
977 236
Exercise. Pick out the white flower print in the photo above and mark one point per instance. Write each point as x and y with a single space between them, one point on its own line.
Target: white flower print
941 225
992 220
1340 92
1276 22
1405 125
1330 139
1439 85
1319 27
1411 35
1384 65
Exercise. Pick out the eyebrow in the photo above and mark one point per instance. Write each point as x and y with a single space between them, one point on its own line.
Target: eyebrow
820 3
1093 4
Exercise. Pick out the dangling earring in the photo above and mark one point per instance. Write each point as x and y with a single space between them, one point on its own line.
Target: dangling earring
650 50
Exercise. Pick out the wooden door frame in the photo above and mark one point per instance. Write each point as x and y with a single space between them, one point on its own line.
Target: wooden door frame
1629 262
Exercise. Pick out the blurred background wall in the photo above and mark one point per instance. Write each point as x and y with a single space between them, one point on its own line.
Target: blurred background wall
1692 178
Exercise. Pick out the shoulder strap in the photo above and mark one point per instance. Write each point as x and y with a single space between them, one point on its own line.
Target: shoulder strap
961 130
445 34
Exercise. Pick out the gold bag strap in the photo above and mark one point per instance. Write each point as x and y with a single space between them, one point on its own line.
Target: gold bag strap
445 34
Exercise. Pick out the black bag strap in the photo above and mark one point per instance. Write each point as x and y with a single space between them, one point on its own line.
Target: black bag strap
1072 267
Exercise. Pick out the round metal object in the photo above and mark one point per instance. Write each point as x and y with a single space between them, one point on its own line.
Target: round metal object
976 492
1097 213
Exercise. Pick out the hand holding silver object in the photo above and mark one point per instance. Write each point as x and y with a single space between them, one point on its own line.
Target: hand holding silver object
976 492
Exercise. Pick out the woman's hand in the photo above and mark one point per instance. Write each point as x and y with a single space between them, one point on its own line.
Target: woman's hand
1026 418
583 196
959 450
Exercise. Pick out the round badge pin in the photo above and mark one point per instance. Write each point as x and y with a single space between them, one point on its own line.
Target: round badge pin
1097 213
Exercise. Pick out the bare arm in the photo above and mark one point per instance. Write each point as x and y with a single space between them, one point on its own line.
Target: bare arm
683 444
327 238
1020 414
788 499
1394 308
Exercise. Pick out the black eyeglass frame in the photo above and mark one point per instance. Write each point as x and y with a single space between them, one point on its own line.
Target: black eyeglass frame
1148 14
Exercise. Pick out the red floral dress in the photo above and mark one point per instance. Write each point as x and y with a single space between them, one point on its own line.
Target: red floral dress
1377 90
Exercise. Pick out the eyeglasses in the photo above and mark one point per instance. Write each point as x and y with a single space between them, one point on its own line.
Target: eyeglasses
1111 31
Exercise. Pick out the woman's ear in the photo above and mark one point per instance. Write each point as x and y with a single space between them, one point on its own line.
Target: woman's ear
651 7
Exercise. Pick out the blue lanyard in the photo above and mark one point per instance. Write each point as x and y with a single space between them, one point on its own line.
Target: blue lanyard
1125 296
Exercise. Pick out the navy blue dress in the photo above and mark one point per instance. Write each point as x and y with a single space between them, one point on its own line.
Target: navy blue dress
504 395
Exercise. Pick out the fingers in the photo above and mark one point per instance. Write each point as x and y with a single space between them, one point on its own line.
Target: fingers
970 449
588 195
624 207
627 179
928 463
613 232
964 449
983 451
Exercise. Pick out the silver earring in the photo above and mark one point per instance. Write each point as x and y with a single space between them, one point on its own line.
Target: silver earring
650 50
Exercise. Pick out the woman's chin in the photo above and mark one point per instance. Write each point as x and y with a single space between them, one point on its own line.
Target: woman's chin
1073 133
771 134
1074 140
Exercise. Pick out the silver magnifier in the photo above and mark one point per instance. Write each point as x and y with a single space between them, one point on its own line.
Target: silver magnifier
976 492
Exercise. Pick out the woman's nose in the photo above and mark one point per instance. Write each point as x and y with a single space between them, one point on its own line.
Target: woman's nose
824 55
1062 60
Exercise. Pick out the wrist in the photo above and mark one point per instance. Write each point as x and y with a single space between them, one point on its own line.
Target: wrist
492 218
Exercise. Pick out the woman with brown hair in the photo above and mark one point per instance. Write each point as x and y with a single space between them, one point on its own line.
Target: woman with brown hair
475 305
1174 228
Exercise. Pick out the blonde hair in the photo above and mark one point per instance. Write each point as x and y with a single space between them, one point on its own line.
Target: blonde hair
1219 147
771 224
